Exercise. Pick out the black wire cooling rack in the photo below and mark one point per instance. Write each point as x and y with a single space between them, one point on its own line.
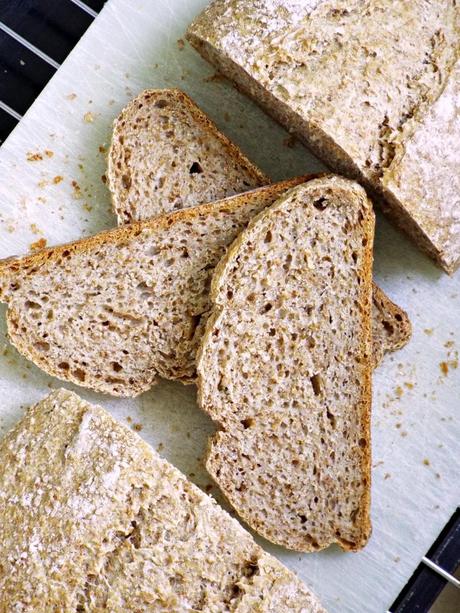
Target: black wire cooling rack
35 38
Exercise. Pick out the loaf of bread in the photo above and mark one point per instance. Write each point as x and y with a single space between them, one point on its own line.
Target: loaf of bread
373 89
285 368
116 311
166 155
92 519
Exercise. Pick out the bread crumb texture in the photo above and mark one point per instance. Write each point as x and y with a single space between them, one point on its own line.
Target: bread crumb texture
284 368
92 519
115 311
373 90
167 155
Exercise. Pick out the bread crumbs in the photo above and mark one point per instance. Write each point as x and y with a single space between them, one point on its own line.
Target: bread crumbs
426 462
48 153
34 157
40 244
88 117
428 331
102 149
104 179
35 229
399 391
71 96
57 179
387 476
160 446
180 44
137 427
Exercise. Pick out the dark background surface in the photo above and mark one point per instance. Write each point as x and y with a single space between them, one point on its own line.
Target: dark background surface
54 26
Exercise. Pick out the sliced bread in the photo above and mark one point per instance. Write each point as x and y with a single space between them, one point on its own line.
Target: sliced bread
167 155
92 519
373 103
115 311
285 368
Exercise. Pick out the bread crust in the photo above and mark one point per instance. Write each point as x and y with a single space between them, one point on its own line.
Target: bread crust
207 401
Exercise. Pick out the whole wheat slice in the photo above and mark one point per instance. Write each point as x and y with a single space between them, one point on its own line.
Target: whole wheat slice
165 145
285 368
115 311
92 519
166 155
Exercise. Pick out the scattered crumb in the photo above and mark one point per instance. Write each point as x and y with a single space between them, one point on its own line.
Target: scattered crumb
57 179
104 179
290 141
438 476
88 117
191 475
180 44
160 446
42 184
208 488
387 476
40 244
379 463
129 419
426 462
398 425
102 149
48 153
449 344
35 229
34 157
444 366
397 559
41 199
428 331
111 101
137 427
22 62
76 190
403 434
71 96
87 207
409 385
399 391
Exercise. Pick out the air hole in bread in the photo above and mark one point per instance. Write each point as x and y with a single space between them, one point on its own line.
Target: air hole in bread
79 374
354 256
388 327
63 365
195 168
362 443
161 103
30 304
126 181
247 423
268 237
117 366
267 307
303 518
331 418
316 384
398 317
42 346
320 204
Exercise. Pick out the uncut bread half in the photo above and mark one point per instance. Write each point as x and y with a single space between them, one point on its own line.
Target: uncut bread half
285 368
92 519
167 155
116 311
372 88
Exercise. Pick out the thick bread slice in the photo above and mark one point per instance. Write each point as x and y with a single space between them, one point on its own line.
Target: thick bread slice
372 103
92 519
115 311
166 155
285 368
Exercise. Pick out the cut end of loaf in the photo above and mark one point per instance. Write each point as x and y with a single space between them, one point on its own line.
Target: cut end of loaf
167 155
285 365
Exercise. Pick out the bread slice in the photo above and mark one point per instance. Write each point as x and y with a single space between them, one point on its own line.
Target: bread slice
115 311
285 368
166 155
374 105
92 519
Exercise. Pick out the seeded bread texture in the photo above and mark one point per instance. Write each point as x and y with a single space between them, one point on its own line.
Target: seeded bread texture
372 103
92 519
166 155
116 311
285 368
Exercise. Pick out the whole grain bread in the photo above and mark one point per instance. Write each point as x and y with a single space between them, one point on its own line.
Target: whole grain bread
115 311
92 519
166 155
285 368
372 103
